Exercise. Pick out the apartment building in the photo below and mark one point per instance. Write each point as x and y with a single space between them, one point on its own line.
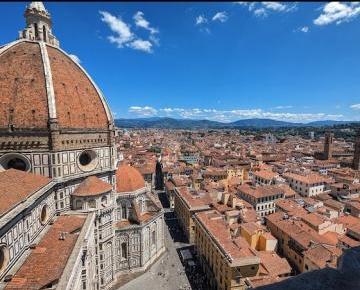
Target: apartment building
307 184
264 177
187 202
225 261
236 259
262 198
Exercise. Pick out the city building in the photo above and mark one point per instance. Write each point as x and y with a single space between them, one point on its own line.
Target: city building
187 203
225 261
189 155
234 259
308 184
264 177
262 198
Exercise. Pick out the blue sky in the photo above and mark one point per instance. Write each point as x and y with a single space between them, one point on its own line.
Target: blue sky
218 61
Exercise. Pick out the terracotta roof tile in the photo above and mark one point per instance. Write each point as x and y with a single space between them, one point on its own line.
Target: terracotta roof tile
18 185
44 265
92 185
23 97
128 179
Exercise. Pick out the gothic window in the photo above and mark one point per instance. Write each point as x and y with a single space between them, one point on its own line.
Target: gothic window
44 214
104 200
36 31
78 204
124 250
44 33
123 212
153 240
92 203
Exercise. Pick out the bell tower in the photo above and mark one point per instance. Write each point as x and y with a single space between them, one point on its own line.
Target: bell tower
38 24
328 145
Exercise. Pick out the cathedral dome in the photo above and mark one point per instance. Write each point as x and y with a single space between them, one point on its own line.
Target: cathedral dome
41 82
128 179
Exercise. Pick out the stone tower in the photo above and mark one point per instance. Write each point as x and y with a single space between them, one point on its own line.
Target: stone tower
356 161
328 145
38 24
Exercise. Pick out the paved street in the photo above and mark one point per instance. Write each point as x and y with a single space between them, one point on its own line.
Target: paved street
168 272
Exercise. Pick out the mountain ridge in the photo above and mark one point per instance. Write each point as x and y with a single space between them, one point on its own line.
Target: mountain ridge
173 123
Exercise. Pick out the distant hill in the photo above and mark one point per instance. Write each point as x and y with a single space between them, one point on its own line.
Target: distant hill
262 123
329 123
171 123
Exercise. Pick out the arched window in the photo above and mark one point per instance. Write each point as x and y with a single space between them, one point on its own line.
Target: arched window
153 238
44 214
92 203
104 199
36 31
124 250
78 204
44 33
123 211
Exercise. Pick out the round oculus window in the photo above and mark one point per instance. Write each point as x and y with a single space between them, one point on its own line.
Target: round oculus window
87 160
14 161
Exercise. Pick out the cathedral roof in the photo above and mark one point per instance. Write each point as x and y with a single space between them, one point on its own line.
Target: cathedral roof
42 82
128 179
47 262
92 185
16 186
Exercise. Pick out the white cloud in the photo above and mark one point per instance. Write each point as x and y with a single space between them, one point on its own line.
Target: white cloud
140 21
282 107
304 29
122 31
355 107
124 37
262 9
260 12
140 44
220 16
338 12
75 58
201 19
203 22
143 111
231 115
276 6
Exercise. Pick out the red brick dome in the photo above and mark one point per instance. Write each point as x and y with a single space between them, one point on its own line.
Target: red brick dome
39 82
128 179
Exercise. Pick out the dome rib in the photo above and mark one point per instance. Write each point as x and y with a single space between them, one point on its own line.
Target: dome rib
48 81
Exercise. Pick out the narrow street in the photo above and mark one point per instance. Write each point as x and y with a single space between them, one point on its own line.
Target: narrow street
168 272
